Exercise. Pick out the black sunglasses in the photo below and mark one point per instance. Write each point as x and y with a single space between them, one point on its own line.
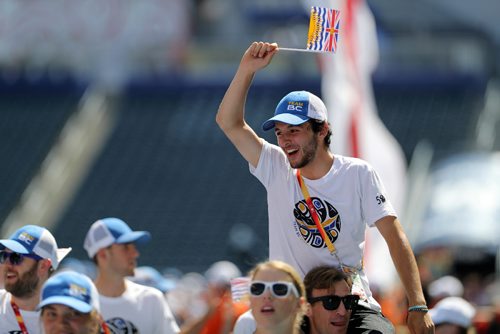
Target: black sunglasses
332 302
16 258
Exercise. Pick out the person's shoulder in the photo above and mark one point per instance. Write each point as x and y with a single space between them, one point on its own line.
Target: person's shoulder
271 146
4 301
3 293
352 162
143 290
246 319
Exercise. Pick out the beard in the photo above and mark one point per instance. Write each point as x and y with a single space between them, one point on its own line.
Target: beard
26 284
308 154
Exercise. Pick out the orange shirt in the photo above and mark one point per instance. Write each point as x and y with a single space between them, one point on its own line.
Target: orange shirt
224 318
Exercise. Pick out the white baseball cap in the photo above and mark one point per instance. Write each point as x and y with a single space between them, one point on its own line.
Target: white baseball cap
453 310
446 286
222 272
108 231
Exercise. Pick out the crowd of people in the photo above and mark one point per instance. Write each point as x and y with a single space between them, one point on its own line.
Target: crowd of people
319 205
43 293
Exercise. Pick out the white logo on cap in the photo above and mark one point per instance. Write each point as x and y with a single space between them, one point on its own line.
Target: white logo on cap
26 237
77 290
295 108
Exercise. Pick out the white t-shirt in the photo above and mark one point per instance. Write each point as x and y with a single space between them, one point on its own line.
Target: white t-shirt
140 309
8 322
245 324
348 198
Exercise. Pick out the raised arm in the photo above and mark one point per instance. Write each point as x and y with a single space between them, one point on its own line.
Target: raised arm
406 265
231 114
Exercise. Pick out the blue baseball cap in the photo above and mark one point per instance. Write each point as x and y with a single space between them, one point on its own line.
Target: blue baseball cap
37 240
105 232
296 108
72 289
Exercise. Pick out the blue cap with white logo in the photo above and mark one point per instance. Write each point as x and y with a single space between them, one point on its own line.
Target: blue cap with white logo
296 108
34 239
71 289
108 231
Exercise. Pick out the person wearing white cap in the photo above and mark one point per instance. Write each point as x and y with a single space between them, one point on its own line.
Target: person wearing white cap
27 259
446 286
126 307
319 204
453 315
226 311
70 304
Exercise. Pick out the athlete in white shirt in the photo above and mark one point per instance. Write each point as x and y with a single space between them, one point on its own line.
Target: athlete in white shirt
345 193
126 307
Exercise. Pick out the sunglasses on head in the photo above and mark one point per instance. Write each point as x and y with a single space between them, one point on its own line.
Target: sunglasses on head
16 258
278 289
332 302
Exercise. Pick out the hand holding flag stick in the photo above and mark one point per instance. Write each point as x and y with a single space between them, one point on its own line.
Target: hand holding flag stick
324 27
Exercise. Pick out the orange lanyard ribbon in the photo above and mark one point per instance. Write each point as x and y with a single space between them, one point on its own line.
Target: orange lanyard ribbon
314 214
19 317
105 328
319 226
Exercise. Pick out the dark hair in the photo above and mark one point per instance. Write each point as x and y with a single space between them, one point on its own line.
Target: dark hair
317 126
323 277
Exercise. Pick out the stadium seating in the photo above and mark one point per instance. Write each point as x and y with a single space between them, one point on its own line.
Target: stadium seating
167 168
31 116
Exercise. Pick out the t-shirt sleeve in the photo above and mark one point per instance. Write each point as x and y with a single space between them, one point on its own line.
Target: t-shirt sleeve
168 325
375 202
272 161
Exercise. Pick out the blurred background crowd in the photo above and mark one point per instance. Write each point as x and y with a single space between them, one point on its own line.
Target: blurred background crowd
107 110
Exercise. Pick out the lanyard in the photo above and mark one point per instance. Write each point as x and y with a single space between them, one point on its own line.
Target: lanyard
319 226
19 317
105 328
314 214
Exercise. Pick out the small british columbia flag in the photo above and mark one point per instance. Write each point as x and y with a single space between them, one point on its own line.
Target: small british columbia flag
324 26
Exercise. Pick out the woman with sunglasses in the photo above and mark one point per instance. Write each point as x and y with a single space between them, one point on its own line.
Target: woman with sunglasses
277 298
70 304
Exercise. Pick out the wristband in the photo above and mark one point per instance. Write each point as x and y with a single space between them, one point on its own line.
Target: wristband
418 308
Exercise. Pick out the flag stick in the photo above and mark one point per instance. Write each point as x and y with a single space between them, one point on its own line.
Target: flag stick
300 50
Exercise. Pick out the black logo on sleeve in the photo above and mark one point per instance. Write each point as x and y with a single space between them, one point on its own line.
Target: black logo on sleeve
380 199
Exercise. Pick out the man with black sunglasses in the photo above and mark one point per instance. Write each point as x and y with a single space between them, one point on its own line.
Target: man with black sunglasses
331 302
27 259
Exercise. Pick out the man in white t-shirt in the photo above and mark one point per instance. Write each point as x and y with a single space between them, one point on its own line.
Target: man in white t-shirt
304 179
27 259
126 307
